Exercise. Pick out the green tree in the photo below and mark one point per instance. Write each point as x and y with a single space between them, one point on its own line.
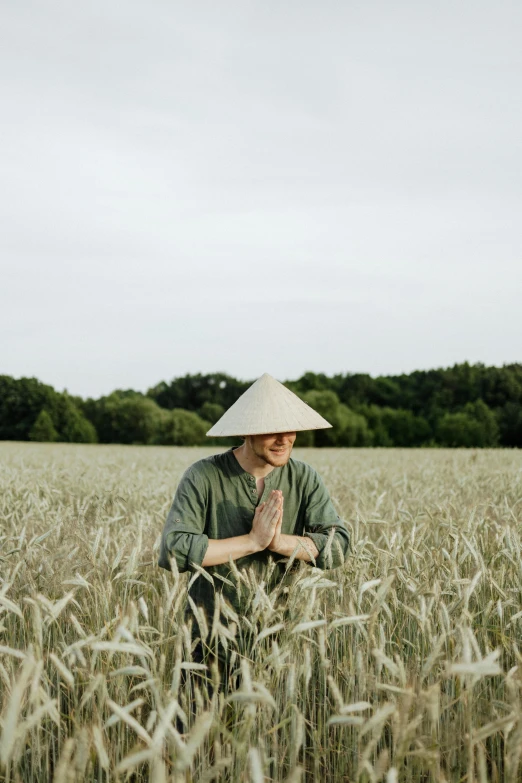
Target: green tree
72 425
458 430
43 429
348 428
182 428
131 419
192 391
378 434
326 403
356 390
474 426
353 428
509 419
311 381
305 439
489 431
211 411
404 429
21 401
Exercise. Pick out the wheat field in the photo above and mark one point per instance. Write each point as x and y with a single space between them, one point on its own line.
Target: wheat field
403 665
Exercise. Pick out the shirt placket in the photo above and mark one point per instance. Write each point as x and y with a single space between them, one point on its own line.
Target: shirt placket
267 488
252 489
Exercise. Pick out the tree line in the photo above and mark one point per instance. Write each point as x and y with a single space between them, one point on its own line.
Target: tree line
462 406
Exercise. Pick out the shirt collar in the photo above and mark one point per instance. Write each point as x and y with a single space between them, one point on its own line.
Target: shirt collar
239 471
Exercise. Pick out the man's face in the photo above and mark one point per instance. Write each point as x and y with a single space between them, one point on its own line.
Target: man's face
273 449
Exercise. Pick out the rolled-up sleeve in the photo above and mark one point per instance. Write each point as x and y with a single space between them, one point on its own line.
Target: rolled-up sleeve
324 525
184 537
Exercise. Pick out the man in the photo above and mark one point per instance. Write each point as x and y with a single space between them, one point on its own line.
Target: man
254 502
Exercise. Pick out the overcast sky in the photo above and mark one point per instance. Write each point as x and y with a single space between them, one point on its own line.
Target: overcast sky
258 186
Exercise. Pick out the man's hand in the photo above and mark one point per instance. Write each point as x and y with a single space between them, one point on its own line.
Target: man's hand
288 545
276 540
266 518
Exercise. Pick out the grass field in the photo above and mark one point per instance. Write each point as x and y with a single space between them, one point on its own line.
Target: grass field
404 665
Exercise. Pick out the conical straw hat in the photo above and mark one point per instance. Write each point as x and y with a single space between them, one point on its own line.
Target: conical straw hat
267 406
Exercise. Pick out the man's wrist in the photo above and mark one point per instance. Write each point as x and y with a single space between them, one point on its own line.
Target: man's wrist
285 545
254 543
274 547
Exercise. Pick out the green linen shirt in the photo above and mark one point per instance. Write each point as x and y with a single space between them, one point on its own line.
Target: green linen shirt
216 498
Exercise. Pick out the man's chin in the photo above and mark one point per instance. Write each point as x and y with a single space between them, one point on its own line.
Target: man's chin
277 461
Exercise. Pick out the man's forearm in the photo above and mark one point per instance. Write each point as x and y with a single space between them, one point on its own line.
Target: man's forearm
220 549
287 544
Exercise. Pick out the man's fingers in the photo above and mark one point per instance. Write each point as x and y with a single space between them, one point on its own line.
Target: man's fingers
272 504
270 510
270 518
275 498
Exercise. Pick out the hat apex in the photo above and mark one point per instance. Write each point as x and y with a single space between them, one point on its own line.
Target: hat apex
267 407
